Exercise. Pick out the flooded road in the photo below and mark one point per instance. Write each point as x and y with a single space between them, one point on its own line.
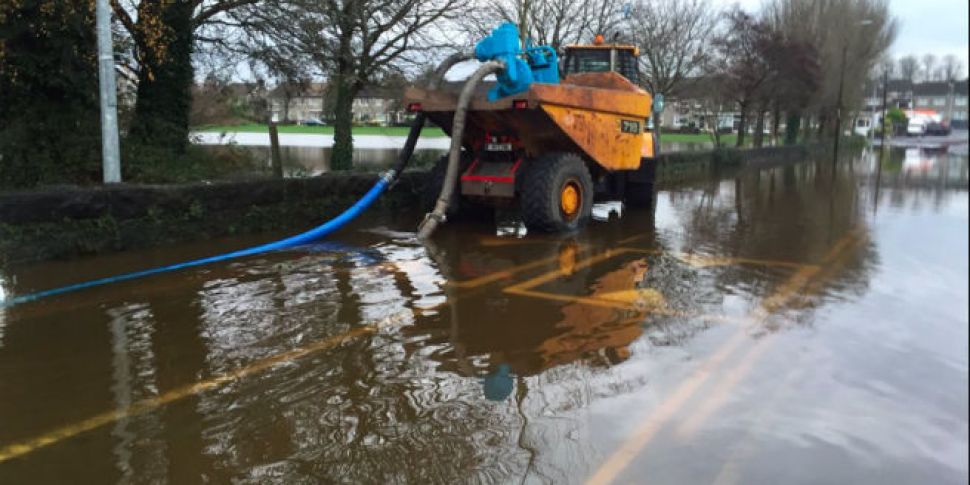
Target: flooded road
787 325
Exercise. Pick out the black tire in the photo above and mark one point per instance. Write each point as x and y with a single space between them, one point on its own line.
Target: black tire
544 181
458 207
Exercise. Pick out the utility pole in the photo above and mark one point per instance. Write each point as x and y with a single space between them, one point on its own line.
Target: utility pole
110 153
838 106
885 89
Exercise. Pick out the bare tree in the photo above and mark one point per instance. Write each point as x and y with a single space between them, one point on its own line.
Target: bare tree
887 68
353 42
744 49
673 37
850 36
908 68
548 22
716 101
929 66
952 68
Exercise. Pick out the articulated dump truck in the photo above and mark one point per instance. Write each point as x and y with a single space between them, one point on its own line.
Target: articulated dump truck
552 139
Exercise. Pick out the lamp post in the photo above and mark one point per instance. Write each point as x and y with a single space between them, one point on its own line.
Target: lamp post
885 89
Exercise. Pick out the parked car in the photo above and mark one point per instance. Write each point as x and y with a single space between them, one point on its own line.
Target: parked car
862 126
935 128
916 127
313 122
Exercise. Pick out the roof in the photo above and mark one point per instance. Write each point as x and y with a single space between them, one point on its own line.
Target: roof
311 90
932 88
376 92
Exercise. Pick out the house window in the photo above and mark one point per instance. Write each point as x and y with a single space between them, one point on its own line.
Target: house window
939 102
960 101
959 115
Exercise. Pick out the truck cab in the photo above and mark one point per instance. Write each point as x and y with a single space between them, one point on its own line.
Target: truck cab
601 57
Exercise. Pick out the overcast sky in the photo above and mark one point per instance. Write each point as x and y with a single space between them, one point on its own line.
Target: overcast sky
936 26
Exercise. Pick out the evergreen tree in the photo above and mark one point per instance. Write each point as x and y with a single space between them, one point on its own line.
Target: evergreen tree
49 119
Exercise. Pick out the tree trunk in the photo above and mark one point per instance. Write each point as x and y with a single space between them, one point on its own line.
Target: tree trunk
820 134
742 126
715 133
287 97
165 39
343 140
807 129
759 128
792 128
775 123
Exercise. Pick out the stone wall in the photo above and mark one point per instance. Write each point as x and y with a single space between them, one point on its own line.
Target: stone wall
65 222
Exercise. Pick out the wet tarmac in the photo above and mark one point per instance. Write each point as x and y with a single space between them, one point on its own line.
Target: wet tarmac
796 324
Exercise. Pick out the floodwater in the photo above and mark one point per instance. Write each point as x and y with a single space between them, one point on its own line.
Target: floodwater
784 325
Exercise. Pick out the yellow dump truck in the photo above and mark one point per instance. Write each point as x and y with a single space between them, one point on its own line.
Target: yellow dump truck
553 147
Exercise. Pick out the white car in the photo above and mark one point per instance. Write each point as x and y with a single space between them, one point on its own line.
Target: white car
862 126
916 127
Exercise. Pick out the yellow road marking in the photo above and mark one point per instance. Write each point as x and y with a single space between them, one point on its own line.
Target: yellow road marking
715 399
15 450
701 261
622 457
729 473
557 273
503 273
836 260
628 240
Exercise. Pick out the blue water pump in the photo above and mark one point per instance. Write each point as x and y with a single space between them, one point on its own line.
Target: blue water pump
522 67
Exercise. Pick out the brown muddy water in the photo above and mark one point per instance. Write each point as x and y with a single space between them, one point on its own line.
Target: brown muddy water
788 325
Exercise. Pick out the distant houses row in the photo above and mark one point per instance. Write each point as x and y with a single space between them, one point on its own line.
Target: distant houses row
285 103
378 106
949 100
946 99
688 110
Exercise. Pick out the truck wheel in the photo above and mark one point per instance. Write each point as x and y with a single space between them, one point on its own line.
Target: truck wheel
556 194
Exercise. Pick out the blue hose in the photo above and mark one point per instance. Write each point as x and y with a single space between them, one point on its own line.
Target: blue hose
300 239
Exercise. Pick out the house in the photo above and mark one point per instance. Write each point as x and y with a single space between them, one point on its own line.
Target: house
378 106
689 108
947 98
215 102
297 102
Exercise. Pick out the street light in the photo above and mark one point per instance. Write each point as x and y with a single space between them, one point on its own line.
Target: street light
838 106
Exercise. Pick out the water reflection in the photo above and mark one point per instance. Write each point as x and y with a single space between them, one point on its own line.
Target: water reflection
498 358
3 296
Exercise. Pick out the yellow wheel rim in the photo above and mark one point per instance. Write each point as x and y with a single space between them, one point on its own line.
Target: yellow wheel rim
570 199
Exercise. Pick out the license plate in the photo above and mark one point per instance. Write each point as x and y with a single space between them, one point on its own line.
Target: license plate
498 147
